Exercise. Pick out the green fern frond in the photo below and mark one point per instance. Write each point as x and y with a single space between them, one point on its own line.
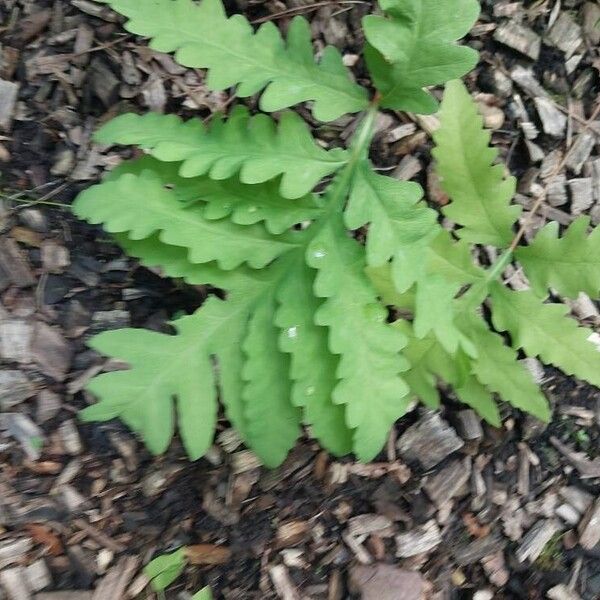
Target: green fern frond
400 225
542 329
313 367
202 36
351 312
430 362
569 264
162 367
243 204
479 191
151 208
254 146
496 367
414 47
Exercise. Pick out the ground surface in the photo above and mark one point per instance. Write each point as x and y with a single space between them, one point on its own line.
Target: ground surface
500 514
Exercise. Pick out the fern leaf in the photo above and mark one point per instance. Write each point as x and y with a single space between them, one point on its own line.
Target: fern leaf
141 206
400 226
204 37
351 311
452 260
162 367
242 204
543 330
496 367
480 193
173 262
430 362
272 421
313 368
435 311
254 146
567 264
414 47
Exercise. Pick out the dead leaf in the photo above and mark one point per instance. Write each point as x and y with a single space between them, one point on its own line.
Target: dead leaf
207 554
474 527
45 536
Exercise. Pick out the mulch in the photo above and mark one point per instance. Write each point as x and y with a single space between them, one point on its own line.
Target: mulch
453 509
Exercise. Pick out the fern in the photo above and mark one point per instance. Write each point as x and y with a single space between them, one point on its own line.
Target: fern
305 334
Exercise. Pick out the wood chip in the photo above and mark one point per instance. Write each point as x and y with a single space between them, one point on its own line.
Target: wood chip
114 584
15 387
526 80
207 554
15 340
14 269
591 17
580 151
51 351
562 592
15 584
589 527
37 576
25 431
283 584
468 425
429 441
13 551
448 483
581 195
520 38
66 595
565 34
368 524
386 582
291 533
419 540
535 540
9 92
554 122
556 191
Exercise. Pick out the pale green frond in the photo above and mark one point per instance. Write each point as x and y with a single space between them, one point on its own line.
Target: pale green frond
140 206
542 329
435 311
202 36
569 264
400 226
243 204
272 420
256 147
452 260
163 368
313 367
415 46
370 385
496 367
479 191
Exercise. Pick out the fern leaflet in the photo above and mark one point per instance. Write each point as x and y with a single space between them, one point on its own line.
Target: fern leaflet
567 264
414 47
479 192
253 146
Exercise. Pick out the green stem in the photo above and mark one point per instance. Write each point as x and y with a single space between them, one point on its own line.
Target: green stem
478 293
359 151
